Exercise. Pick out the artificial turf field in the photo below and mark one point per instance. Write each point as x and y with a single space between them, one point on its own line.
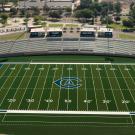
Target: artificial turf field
97 87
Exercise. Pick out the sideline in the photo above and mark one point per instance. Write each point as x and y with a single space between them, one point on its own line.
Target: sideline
66 112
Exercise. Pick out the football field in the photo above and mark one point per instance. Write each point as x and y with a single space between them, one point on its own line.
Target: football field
68 88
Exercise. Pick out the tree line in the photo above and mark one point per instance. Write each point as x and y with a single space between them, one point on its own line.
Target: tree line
89 9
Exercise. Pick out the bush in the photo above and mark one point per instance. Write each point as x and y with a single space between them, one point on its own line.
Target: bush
38 19
36 11
55 14
68 9
4 18
13 11
117 18
128 23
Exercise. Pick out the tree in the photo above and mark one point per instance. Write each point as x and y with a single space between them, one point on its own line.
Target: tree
13 11
97 8
55 14
84 13
106 6
132 5
36 11
130 22
117 7
78 14
85 4
106 20
104 12
132 14
4 18
22 12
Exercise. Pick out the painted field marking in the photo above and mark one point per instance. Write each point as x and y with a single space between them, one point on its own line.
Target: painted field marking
85 88
103 88
126 84
34 88
122 94
94 87
111 88
26 87
66 112
51 88
60 90
43 86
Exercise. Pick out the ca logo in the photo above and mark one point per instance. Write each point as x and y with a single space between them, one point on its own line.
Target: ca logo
68 82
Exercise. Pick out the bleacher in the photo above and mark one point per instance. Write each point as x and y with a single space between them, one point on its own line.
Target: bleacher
101 46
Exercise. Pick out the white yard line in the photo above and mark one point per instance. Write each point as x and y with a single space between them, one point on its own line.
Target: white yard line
132 67
18 87
132 81
126 84
85 88
6 79
60 90
4 72
26 87
52 88
102 87
68 89
10 86
69 63
34 88
8 92
111 88
43 87
122 94
94 87
77 87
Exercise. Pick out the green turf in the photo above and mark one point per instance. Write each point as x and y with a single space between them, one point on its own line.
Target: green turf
103 88
30 129
68 58
13 37
127 36
55 25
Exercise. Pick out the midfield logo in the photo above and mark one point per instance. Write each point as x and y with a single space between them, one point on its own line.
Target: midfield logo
68 82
